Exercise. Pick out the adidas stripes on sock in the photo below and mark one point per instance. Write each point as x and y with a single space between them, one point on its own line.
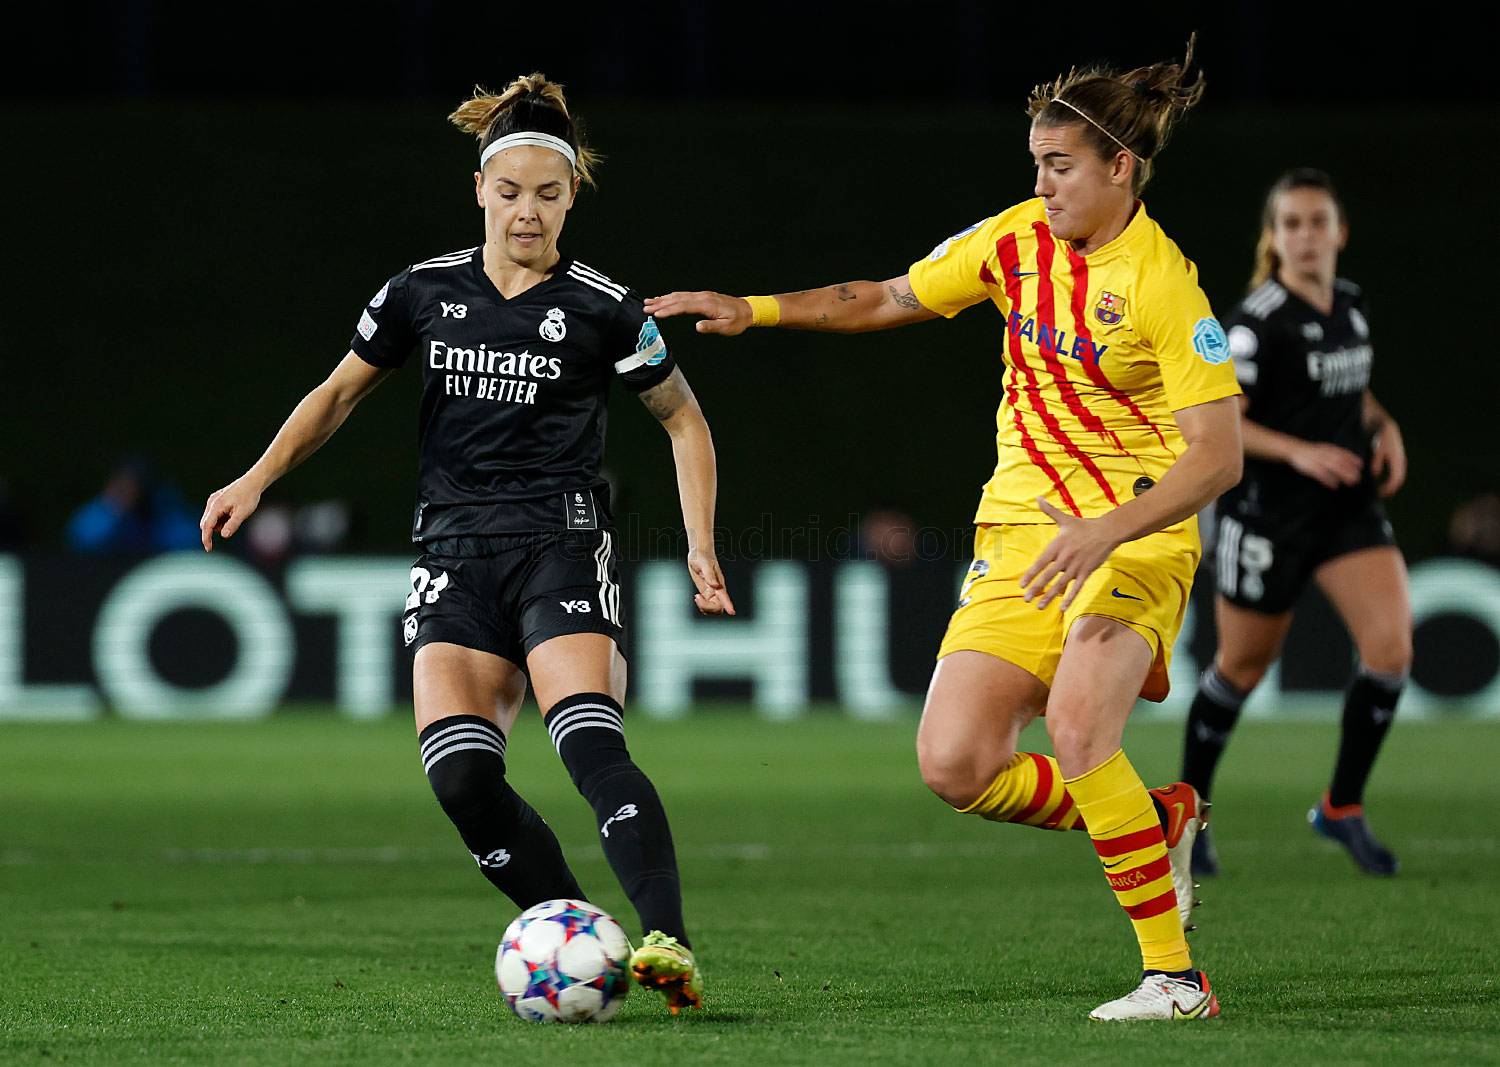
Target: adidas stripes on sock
588 730
464 758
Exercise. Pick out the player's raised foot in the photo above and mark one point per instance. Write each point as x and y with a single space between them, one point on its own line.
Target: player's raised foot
1162 997
667 966
1205 856
1347 826
1184 814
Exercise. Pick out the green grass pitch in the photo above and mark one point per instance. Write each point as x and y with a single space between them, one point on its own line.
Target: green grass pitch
288 891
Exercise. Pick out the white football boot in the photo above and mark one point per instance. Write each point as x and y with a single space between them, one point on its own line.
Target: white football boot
1187 813
1163 997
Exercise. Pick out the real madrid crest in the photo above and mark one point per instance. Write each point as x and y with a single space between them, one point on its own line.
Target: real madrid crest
553 328
1110 309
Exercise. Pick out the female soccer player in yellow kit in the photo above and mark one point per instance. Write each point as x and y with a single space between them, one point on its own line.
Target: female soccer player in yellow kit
1118 423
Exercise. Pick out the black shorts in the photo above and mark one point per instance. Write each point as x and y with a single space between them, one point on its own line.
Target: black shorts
1263 562
506 594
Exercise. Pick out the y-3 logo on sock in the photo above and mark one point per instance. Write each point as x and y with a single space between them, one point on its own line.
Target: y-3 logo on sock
627 811
495 859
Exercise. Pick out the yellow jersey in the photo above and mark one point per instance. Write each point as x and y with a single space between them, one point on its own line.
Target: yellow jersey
1099 351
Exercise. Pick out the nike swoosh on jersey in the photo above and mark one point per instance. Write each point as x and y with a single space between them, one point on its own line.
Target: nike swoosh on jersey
1017 272
1123 596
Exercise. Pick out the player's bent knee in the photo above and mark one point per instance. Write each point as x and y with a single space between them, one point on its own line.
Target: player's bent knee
956 779
464 759
1078 747
1243 672
1390 654
462 786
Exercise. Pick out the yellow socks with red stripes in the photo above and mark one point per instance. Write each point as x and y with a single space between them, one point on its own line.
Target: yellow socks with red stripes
1029 790
1127 835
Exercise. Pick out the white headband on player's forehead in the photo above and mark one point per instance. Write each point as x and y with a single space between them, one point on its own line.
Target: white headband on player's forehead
541 140
1101 129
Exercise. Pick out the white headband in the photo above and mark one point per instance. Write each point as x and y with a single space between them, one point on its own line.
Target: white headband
1101 129
541 140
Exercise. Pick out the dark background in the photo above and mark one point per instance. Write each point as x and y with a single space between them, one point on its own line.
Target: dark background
197 201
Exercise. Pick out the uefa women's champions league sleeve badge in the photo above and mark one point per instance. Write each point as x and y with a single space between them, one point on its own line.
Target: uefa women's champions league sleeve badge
1110 309
1210 341
942 247
648 343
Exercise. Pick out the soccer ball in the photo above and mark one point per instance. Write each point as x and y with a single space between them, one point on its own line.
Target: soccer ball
563 961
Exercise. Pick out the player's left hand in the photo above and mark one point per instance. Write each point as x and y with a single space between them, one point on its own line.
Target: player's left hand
1080 546
711 598
1388 461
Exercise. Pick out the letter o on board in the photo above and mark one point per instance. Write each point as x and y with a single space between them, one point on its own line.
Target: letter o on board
222 585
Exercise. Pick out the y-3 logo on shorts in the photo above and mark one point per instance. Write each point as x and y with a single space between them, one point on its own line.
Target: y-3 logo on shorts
580 606
627 811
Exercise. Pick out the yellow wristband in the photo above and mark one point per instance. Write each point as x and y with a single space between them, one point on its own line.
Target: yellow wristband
764 310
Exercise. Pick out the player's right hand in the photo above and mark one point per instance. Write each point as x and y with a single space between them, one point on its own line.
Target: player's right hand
1328 465
727 315
227 509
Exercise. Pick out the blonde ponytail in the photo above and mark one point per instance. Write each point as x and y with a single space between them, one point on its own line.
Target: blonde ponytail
532 103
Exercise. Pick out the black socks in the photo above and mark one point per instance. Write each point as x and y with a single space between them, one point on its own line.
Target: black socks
589 732
1369 707
464 757
1211 720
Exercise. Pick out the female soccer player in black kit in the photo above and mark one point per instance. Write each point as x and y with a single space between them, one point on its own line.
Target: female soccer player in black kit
1320 452
517 344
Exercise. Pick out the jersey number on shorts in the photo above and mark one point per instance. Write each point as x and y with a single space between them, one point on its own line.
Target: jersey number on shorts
424 587
1244 559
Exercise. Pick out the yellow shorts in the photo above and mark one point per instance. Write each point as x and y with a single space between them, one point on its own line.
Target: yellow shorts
1144 584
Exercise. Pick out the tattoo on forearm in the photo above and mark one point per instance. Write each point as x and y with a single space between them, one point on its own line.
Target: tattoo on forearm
904 298
667 399
845 292
821 320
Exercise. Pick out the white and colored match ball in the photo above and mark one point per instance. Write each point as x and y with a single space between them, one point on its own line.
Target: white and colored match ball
563 961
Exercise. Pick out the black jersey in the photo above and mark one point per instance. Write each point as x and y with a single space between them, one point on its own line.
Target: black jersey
1304 374
511 427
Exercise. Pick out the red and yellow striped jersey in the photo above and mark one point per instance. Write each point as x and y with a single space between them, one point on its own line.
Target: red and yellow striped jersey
1099 351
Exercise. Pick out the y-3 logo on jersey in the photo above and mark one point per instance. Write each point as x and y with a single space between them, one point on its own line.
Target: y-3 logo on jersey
581 606
458 311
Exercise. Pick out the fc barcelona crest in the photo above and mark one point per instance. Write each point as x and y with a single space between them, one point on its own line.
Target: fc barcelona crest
1110 309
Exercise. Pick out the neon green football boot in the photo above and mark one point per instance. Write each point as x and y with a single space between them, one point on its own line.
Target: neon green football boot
661 963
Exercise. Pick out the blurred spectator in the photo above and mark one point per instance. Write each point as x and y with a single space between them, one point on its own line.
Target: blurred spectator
276 531
1474 530
137 512
12 522
888 537
268 534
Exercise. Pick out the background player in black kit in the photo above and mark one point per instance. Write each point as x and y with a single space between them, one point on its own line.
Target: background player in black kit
517 346
1319 453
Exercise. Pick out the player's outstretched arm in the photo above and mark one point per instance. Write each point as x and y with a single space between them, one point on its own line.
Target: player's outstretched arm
675 406
311 423
849 307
